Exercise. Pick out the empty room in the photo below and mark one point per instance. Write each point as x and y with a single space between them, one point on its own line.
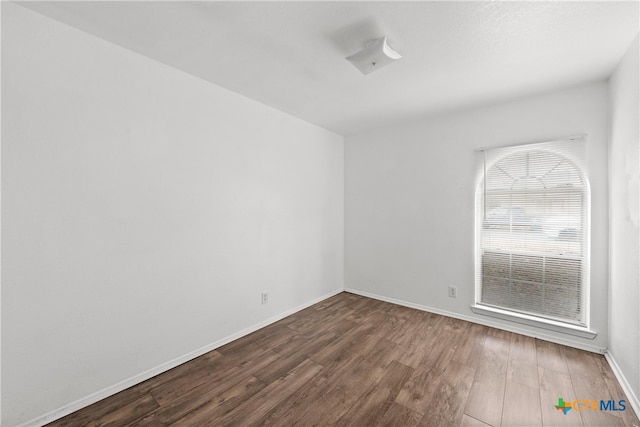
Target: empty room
320 213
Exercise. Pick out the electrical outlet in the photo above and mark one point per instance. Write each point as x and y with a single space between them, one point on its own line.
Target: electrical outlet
453 292
265 297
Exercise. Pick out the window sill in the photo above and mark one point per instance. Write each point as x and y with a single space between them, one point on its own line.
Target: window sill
565 328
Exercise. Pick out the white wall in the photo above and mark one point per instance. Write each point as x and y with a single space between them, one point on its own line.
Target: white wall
624 192
144 211
409 201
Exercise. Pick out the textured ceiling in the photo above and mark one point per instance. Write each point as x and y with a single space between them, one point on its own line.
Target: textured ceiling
290 55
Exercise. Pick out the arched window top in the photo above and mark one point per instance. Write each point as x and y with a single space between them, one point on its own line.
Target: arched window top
534 170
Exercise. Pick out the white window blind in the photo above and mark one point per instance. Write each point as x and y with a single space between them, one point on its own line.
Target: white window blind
533 222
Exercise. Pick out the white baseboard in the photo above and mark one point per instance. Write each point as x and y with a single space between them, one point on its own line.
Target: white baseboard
487 322
633 399
137 379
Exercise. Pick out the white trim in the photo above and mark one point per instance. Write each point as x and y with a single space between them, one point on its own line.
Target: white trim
136 379
576 137
551 325
498 325
622 380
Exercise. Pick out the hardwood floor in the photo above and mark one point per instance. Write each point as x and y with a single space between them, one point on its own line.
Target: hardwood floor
355 361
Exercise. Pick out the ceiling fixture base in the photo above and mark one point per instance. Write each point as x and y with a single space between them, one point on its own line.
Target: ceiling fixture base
376 55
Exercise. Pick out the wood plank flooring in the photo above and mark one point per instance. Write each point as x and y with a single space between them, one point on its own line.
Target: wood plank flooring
355 361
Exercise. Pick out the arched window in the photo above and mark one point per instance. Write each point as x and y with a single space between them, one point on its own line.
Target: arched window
532 255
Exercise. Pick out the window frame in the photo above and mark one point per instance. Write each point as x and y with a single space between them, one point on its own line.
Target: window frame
578 328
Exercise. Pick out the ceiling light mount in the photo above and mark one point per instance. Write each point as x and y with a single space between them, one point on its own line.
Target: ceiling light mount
374 56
